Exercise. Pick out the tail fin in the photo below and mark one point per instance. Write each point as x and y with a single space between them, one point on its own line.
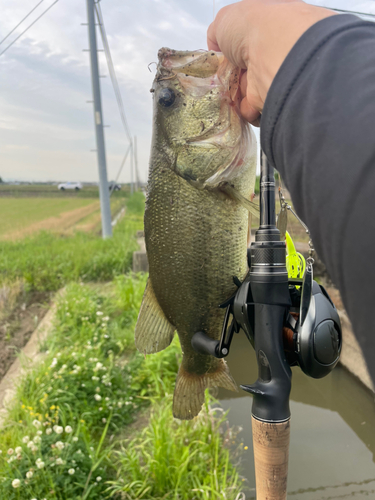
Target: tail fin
189 391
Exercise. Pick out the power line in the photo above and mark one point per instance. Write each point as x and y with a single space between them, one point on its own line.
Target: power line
31 11
120 169
347 11
32 24
112 71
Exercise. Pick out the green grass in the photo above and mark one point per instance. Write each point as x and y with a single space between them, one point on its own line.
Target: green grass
171 459
47 261
17 213
62 439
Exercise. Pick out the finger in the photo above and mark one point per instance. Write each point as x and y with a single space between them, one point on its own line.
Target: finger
211 38
249 113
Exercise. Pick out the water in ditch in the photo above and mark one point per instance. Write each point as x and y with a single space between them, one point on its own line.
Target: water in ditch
332 448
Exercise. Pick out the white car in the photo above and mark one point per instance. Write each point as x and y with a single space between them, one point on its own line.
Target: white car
70 185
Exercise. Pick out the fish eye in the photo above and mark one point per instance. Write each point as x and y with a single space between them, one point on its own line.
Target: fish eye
166 97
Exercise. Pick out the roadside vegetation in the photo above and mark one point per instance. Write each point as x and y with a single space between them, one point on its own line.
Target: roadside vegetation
66 437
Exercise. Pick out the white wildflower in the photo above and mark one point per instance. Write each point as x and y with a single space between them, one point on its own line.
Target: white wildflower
95 378
75 439
29 474
39 433
10 451
37 439
36 423
58 429
99 313
16 483
71 471
107 398
98 479
97 397
18 450
25 439
97 389
60 445
104 420
54 363
40 464
49 431
59 461
68 429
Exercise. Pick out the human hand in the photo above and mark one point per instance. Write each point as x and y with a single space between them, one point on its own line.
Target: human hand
257 35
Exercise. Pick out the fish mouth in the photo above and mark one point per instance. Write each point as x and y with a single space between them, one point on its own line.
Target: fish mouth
198 63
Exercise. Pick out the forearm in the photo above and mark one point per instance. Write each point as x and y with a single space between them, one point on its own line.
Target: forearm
318 129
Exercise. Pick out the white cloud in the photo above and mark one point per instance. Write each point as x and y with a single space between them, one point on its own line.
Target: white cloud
47 127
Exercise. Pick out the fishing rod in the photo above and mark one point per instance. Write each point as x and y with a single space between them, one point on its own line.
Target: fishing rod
290 320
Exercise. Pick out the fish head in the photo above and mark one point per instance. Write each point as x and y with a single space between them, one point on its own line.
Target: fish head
197 119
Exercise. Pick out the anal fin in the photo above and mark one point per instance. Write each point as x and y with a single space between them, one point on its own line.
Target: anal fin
188 395
153 332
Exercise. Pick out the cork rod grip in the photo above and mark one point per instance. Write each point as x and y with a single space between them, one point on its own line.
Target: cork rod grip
271 453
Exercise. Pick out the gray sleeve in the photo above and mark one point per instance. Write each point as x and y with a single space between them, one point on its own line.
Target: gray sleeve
318 130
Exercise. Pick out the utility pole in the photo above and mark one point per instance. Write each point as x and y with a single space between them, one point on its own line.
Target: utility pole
98 117
131 169
136 164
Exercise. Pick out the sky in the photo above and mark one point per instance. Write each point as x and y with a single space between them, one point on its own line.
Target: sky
46 124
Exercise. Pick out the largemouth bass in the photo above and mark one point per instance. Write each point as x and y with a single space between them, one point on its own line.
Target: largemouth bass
201 178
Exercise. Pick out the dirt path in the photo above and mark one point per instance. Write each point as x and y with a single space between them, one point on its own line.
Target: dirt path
17 328
60 223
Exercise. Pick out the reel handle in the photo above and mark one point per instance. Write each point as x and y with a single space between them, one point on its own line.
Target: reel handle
204 344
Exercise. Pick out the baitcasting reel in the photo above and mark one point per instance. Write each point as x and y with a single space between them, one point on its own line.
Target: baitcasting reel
311 332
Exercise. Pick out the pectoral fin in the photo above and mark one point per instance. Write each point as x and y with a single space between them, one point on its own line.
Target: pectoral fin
252 207
153 332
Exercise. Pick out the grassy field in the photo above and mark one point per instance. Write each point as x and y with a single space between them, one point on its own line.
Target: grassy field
25 216
47 261
51 191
